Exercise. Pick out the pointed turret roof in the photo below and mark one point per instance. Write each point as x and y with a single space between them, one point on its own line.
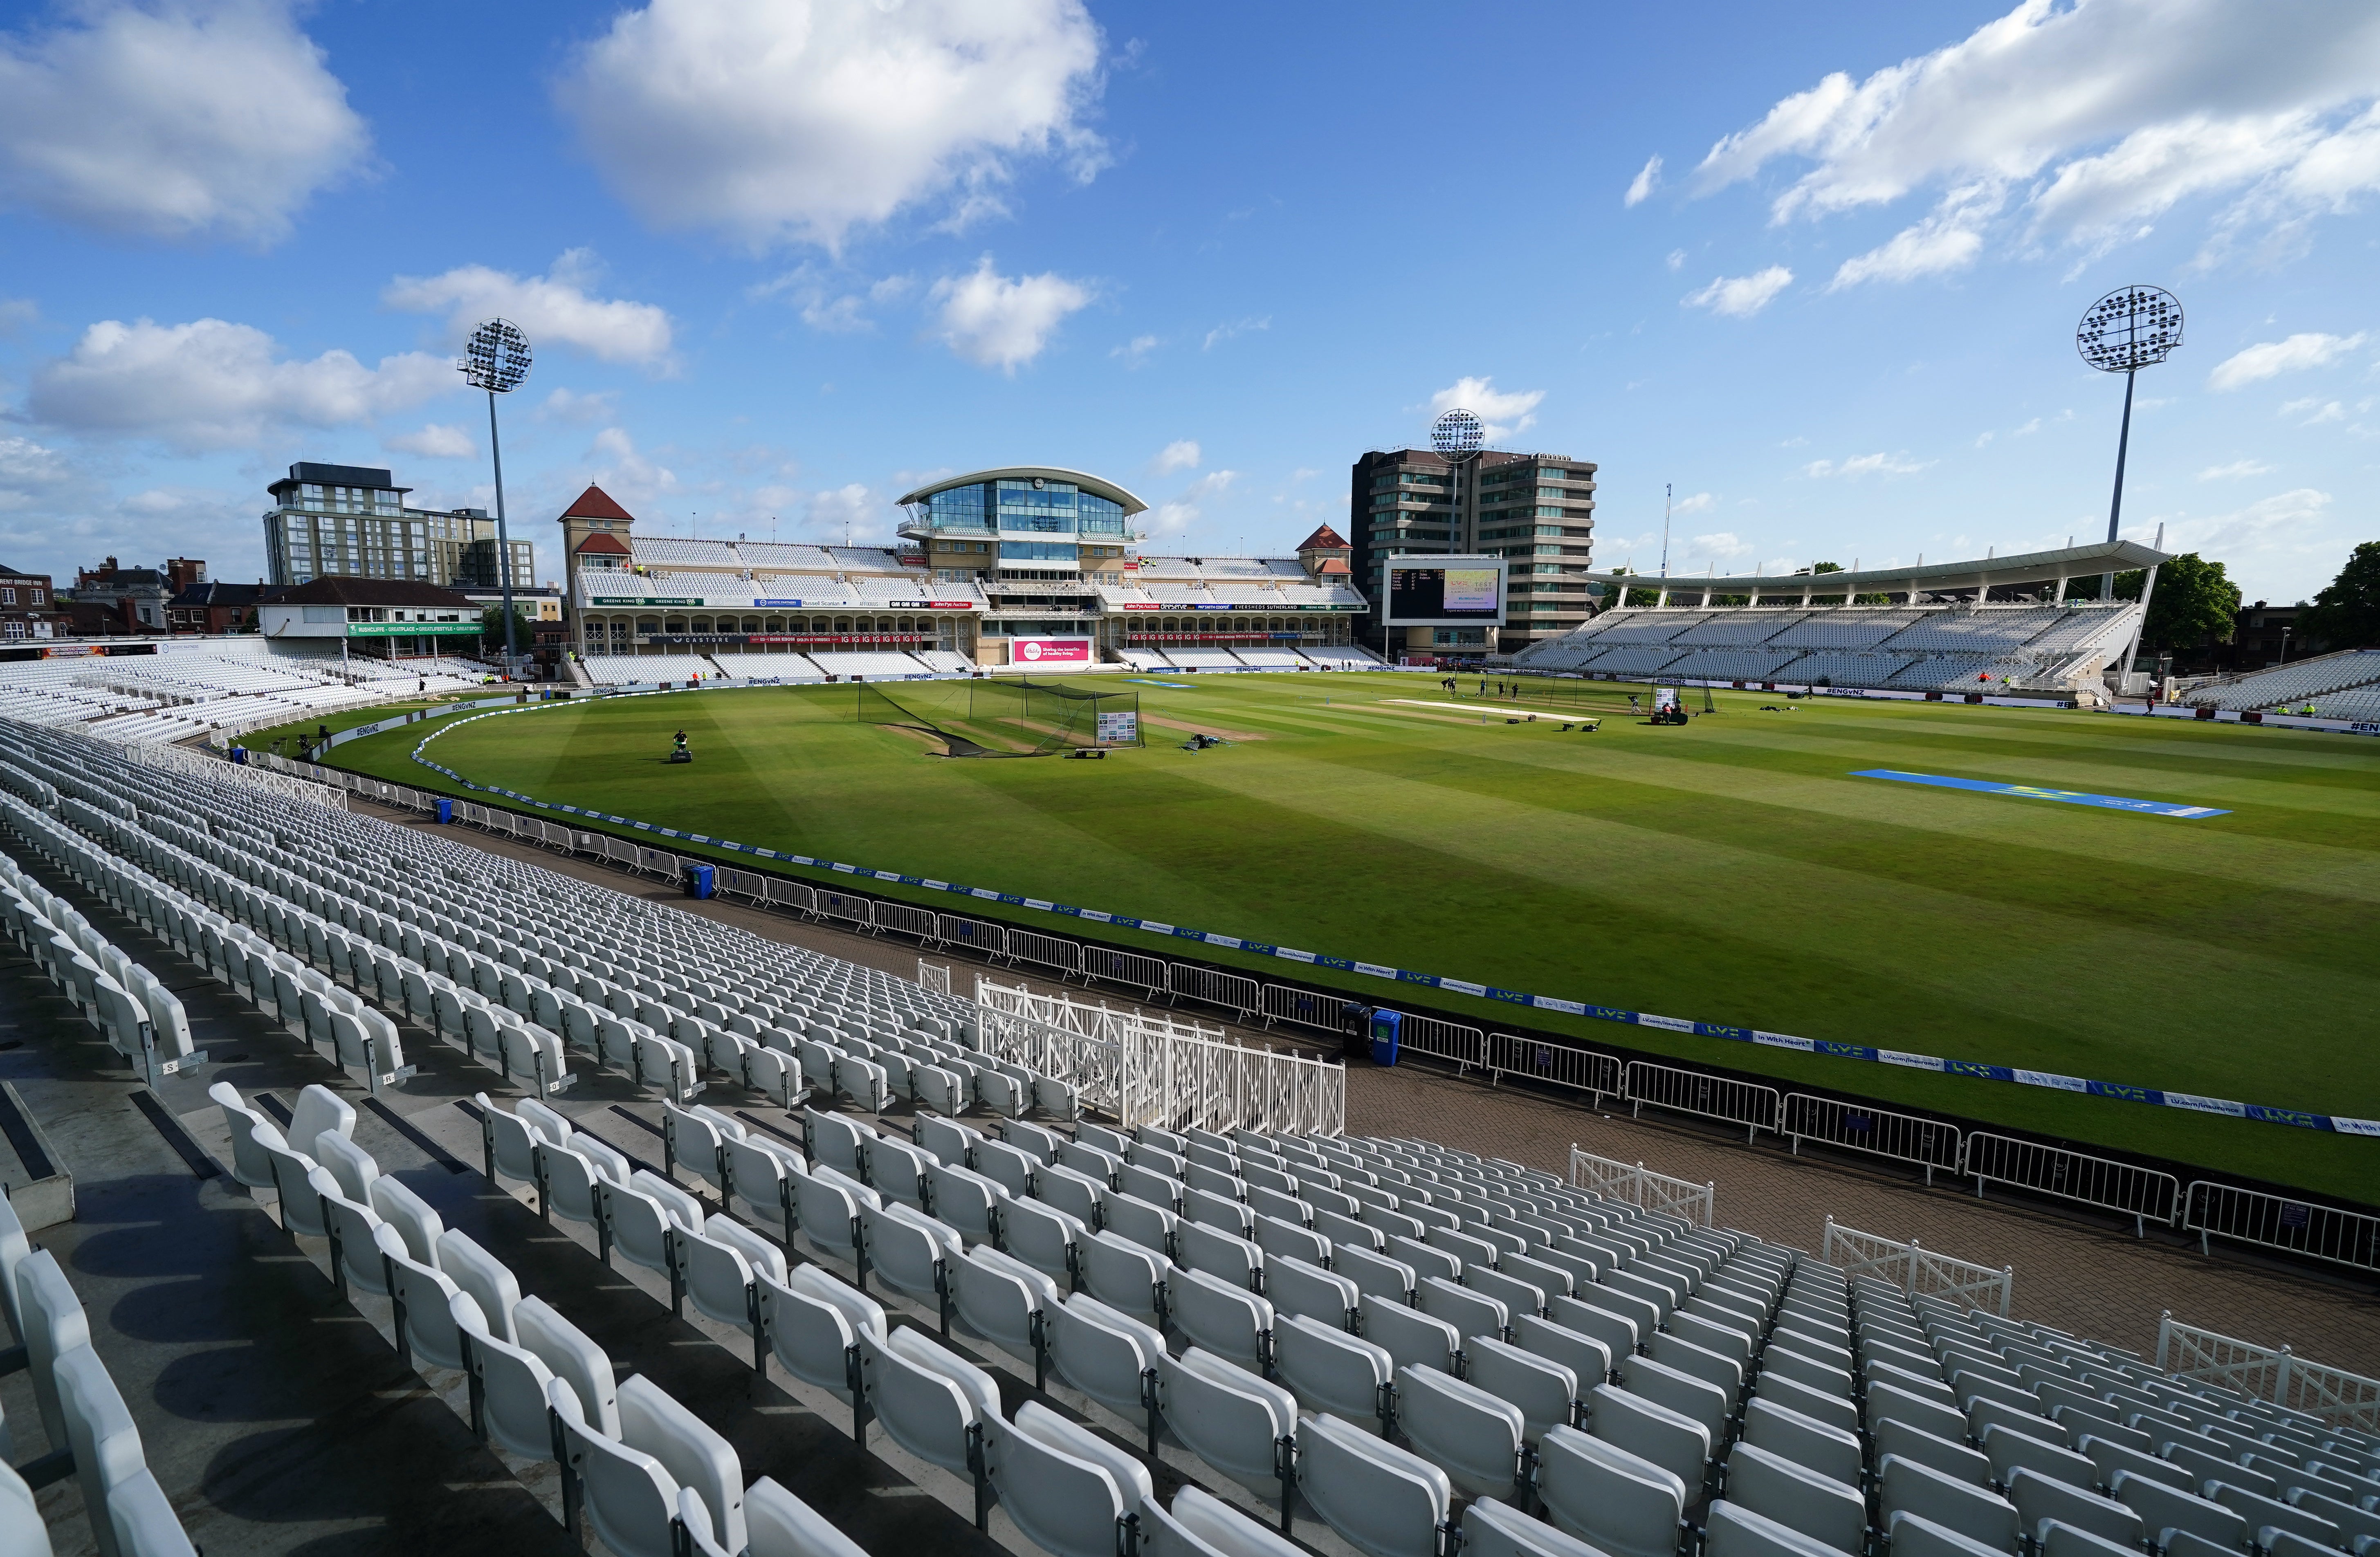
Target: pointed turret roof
596 503
1324 539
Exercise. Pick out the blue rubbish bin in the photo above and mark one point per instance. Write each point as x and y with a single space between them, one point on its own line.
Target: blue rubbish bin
446 809
239 756
1384 1027
701 880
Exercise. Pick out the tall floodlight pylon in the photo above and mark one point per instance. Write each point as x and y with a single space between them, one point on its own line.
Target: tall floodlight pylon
2130 328
496 360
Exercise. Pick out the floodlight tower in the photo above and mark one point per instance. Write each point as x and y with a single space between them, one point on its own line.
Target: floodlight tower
1457 435
2130 328
496 360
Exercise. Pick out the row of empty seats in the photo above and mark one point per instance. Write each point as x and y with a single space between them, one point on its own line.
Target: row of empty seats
645 1474
89 1430
1937 648
1304 657
320 947
190 686
2327 679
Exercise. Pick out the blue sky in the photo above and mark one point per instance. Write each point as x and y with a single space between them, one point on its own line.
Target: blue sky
781 259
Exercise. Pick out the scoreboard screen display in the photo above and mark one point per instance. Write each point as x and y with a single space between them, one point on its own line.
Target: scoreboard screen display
1463 590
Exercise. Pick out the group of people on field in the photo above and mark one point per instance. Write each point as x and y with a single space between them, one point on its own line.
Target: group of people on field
1503 689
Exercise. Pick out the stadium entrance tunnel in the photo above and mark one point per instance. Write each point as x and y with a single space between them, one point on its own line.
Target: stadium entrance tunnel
1004 716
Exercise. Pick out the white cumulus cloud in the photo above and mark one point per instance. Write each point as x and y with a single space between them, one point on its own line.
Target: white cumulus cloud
1741 297
1697 504
28 471
1721 545
1180 455
211 384
1865 465
1000 321
2088 119
196 119
851 509
1501 412
1647 178
1947 240
2314 410
1172 518
553 310
801 119
2266 535
2234 470
2272 359
436 441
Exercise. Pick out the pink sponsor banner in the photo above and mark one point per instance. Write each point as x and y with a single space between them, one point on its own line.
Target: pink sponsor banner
1049 651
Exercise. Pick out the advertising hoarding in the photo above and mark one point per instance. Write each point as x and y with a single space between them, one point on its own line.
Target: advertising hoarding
1049 651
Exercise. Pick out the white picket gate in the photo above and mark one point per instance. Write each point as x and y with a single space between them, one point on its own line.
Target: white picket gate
1156 1068
1639 1186
2270 1373
1916 1270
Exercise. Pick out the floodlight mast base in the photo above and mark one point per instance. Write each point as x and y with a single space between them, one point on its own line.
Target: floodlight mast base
503 544
2115 507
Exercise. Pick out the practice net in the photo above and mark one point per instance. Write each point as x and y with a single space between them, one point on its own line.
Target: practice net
1005 716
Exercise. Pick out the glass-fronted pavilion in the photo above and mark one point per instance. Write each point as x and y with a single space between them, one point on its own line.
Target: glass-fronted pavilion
1023 523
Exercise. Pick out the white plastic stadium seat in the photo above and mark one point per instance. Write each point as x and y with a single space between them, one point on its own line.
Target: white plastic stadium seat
1905 1486
1733 1530
1492 1528
1065 1487
1330 1370
1473 1436
1615 1501
927 1398
1228 1416
1383 1501
627 1498
1678 1444
1103 1353
781 1525
1775 1487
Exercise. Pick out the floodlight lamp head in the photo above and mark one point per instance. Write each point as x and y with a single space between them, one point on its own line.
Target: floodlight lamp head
1457 432
497 357
2130 328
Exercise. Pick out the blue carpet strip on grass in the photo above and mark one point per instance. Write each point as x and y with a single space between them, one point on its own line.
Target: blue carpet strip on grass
2299 1117
2035 792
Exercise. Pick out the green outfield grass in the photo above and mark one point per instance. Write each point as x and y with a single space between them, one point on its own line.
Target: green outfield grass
1731 872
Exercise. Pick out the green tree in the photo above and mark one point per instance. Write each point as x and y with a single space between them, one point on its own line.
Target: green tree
492 628
2193 603
2346 614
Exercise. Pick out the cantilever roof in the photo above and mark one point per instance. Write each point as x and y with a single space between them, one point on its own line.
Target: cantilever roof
1095 485
2071 562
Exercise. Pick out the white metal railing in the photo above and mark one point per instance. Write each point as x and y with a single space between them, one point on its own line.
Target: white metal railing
249 774
1220 1084
1747 1104
2339 1398
1639 1186
934 976
1093 1066
1156 1068
1916 1270
2277 1222
2143 1193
